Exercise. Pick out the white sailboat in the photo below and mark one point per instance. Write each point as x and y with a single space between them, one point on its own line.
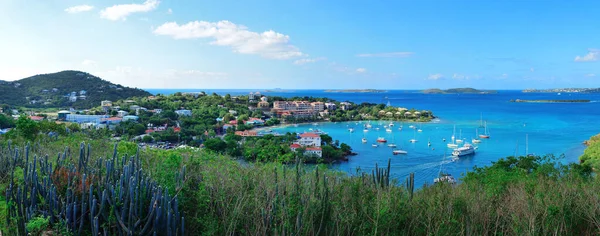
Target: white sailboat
420 130
444 177
459 140
388 130
414 140
364 140
453 144
475 140
393 143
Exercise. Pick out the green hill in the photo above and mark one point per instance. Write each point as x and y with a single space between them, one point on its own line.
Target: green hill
54 90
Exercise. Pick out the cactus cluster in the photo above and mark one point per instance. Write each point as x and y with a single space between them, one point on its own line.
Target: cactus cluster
381 176
105 197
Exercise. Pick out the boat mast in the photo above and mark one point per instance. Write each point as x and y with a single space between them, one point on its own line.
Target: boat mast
526 144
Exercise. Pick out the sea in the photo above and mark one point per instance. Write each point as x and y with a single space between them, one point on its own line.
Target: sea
558 129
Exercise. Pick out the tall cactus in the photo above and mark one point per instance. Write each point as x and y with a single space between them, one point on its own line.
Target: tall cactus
117 197
410 185
381 176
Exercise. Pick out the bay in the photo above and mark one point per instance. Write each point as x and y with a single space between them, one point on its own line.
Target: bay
552 128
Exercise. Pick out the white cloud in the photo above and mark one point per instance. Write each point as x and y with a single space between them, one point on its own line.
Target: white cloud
361 70
268 44
88 62
170 11
386 54
78 9
590 75
120 12
591 56
309 60
435 76
459 76
531 69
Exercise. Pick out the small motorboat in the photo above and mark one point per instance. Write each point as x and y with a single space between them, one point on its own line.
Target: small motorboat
364 140
397 152
374 145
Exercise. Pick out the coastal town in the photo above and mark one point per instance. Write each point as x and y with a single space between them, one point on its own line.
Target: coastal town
190 119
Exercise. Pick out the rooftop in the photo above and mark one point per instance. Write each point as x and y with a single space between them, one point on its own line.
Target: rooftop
309 135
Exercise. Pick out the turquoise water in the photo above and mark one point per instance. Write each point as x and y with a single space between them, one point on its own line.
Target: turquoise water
552 128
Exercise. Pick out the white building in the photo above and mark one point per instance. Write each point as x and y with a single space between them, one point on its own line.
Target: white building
184 112
310 140
330 106
72 98
345 105
122 113
313 151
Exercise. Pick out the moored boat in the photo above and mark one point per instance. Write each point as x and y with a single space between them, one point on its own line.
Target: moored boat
466 149
381 140
396 152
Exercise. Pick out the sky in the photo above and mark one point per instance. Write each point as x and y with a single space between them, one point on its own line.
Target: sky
306 44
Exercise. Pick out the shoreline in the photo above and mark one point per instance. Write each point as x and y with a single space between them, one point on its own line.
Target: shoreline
279 126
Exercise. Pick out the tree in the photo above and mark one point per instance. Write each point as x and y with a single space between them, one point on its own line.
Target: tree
345 148
27 127
74 127
147 139
6 122
326 139
215 144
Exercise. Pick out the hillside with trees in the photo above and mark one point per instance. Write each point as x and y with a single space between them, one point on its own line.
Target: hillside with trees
55 90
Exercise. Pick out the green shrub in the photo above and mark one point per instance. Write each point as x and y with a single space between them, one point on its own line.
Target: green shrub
37 225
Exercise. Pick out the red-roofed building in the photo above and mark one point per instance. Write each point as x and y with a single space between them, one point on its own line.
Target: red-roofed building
177 129
233 122
295 146
247 133
149 131
310 139
36 118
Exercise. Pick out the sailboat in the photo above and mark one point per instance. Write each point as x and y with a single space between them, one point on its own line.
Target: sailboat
459 140
414 140
393 143
364 140
420 130
351 130
388 130
486 134
453 144
527 146
475 140
444 177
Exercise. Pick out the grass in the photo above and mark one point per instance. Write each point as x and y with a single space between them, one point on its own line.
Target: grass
514 196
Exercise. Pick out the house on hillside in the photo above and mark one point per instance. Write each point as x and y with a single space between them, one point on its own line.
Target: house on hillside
122 113
184 112
310 139
255 122
311 143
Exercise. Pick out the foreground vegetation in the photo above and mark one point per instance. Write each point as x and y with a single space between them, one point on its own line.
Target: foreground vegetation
514 196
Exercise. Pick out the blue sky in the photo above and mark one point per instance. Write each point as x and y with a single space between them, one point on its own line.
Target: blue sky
306 44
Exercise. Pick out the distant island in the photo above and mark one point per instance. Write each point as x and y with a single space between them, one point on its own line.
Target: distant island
355 91
563 90
75 89
551 101
457 91
278 90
